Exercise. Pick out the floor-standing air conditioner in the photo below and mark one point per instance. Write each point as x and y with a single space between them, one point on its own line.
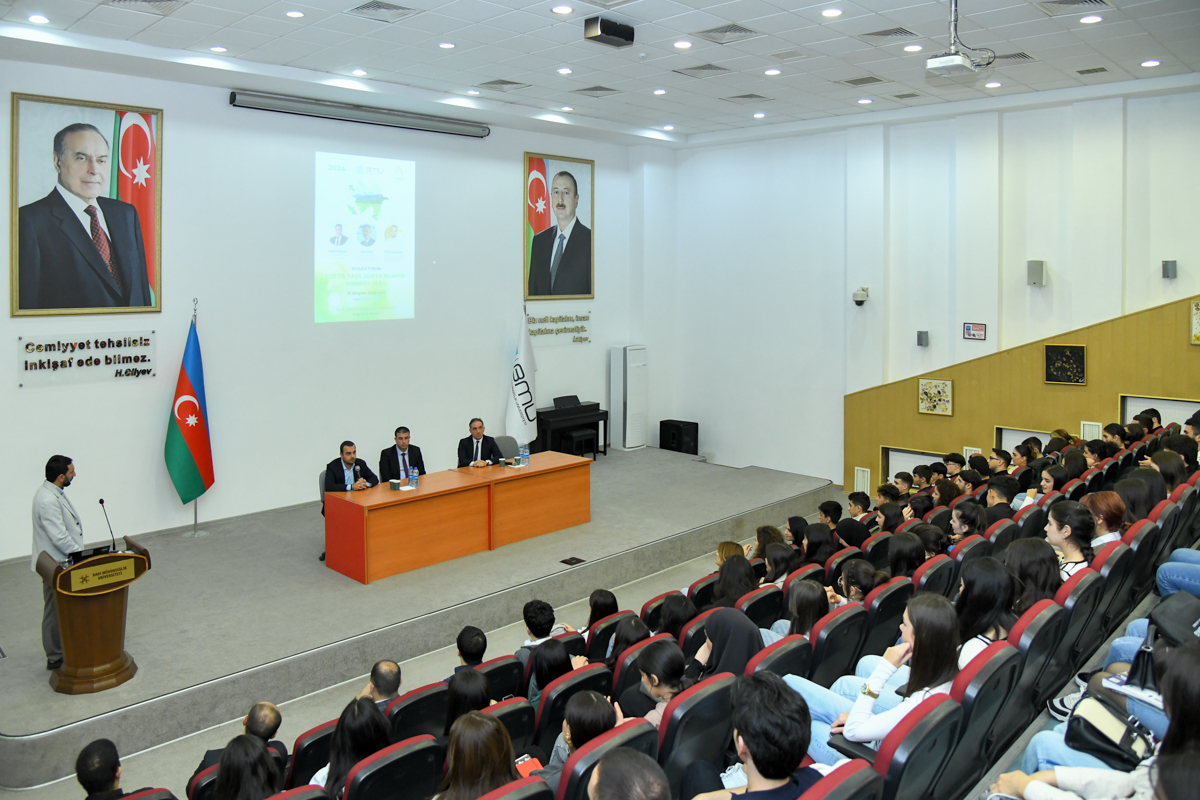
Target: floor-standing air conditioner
629 396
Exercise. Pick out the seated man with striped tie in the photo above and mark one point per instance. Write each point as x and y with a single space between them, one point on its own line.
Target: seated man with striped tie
478 450
395 462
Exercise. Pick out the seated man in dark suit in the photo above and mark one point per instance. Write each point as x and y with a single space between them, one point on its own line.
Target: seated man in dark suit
98 770
478 450
262 721
394 462
347 474
384 686
1002 489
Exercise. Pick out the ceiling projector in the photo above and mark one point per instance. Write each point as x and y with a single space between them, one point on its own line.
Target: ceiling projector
950 65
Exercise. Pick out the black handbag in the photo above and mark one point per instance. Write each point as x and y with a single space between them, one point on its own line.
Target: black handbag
1141 671
1097 728
1177 618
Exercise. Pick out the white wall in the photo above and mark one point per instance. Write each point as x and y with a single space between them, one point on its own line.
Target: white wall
283 391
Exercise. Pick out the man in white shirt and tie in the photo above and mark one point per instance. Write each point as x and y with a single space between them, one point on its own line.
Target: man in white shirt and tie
478 450
57 532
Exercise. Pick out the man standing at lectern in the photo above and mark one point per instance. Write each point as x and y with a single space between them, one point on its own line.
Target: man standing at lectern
56 531
478 450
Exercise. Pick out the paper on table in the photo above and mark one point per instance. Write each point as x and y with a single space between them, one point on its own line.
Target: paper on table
407 488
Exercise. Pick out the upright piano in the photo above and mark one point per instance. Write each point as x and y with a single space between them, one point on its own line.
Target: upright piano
553 421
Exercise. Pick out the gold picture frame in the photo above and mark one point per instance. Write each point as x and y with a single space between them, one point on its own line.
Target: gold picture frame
59 268
1066 364
935 396
546 273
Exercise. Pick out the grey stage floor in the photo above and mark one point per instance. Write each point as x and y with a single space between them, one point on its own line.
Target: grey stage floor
186 618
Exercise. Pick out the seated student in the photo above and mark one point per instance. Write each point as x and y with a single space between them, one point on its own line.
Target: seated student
247 771
727 549
1135 495
890 516
1061 433
1022 454
1070 528
98 770
929 644
819 544
886 493
677 611
1075 463
858 579
1053 479
904 482
1002 490
1094 451
629 631
550 662
625 774
771 733
1185 446
999 461
263 721
470 646
539 626
736 579
469 690
829 513
480 758
955 463
967 519
807 602
852 533
932 539
968 481
918 506
1108 511
794 530
782 561
602 603
980 464
588 714
1171 777
384 686
1114 432
732 641
1034 565
1171 466
940 472
662 666
922 479
906 552
944 492
1180 692
765 535
361 731
1134 433
857 504
1155 420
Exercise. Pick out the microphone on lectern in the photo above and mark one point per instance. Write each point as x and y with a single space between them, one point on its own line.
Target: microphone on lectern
110 530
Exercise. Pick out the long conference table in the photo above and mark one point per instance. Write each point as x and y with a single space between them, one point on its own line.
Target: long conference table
377 532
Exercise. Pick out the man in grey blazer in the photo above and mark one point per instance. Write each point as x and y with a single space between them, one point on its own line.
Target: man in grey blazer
56 531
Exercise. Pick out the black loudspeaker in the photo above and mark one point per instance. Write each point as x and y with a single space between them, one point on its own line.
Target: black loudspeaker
680 436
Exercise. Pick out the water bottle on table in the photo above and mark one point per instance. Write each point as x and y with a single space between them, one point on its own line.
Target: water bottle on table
414 477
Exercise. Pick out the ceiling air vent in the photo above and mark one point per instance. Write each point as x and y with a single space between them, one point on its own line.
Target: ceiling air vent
745 99
889 35
1092 71
382 12
870 80
907 95
597 91
608 3
1016 58
788 55
728 33
159 7
703 71
503 85
1062 8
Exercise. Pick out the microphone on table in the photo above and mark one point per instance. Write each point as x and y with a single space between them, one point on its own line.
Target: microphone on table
110 530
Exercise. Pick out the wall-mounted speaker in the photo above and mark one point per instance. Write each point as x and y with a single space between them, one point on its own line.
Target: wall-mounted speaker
1170 271
1036 272
922 338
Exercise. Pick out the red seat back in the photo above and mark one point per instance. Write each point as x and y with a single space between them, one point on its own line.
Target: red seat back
981 689
517 716
652 610
1001 534
1115 564
691 636
1080 596
807 572
530 788
763 605
310 752
852 780
934 576
696 726
636 734
834 564
876 549
203 784
911 757
506 676
408 770
552 705
791 655
885 611
625 671
701 592
1074 490
1036 636
836 639
419 712
600 633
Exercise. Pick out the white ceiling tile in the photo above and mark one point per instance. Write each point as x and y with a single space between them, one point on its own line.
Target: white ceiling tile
344 23
160 39
265 25
281 51
240 6
312 13
88 28
323 61
319 36
111 15
193 12
182 27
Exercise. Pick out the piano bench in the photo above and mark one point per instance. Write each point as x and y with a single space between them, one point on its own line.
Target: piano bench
580 440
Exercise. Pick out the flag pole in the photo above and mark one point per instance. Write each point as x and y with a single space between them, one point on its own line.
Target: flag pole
195 533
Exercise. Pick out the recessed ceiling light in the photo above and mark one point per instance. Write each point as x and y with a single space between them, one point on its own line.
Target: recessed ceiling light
38 19
567 108
683 44
1091 19
562 9
295 14
660 91
831 12
913 48
993 85
564 70
472 91
216 48
865 101
447 45
668 127
773 71
1151 63
759 114
358 72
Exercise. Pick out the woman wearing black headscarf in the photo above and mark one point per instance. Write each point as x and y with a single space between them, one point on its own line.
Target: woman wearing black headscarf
732 641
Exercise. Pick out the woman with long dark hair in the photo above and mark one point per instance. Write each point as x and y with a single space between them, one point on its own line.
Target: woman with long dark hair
891 515
1034 566
1171 466
602 603
906 552
663 668
247 770
677 611
765 535
588 714
819 544
550 662
735 579
1135 495
1075 463
782 561
1070 528
1154 482
361 731
629 632
967 519
469 690
807 602
480 758
929 646
932 537
858 579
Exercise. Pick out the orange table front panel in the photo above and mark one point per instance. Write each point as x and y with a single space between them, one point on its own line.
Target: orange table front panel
553 493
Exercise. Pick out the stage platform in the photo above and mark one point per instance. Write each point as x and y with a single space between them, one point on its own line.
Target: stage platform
249 612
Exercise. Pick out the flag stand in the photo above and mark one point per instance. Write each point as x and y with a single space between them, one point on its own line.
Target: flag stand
195 533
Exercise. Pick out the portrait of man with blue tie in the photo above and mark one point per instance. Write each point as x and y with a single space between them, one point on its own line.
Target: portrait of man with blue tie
560 257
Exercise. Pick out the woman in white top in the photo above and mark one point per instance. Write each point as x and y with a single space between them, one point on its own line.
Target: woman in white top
781 560
1108 512
929 641
361 731
1070 528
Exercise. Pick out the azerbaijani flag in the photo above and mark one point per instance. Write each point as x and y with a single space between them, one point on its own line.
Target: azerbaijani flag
188 452
537 201
134 179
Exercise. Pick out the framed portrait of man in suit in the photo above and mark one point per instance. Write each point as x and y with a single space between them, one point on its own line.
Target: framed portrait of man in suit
559 231
85 207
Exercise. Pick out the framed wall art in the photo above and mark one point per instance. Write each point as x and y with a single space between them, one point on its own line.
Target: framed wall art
559 236
1066 364
935 397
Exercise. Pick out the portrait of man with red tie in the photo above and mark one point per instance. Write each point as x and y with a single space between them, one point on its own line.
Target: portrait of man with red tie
82 248
558 239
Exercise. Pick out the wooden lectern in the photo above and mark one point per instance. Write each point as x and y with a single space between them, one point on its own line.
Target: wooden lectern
92 598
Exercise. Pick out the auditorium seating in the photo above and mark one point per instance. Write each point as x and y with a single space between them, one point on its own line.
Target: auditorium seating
834 564
310 752
885 611
854 780
807 572
299 793
1023 476
836 639
1032 522
1035 636
971 547
934 576
652 610
203 785
875 549
962 498
1044 501
166 794
552 706
759 565
1000 535
980 494
525 789
1080 596
1074 490
518 717
695 726
625 670
763 605
939 516
908 525
912 756
691 637
637 734
1114 563
1142 538
600 633
1166 516
791 655
506 677
701 592
408 770
421 711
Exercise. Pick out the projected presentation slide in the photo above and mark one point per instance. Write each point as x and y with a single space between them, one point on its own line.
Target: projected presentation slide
364 243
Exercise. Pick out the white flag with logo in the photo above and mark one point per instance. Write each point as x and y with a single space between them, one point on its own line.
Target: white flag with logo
521 420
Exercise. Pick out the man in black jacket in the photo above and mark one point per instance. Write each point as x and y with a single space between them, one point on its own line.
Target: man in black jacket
346 474
395 462
98 770
478 450
262 721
